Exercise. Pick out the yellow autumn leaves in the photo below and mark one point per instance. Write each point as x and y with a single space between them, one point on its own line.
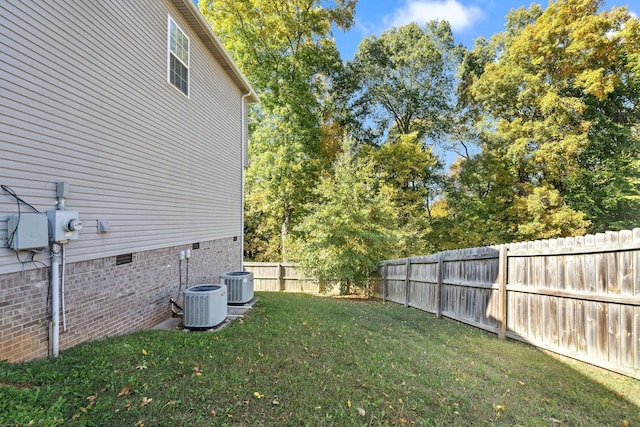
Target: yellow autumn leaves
361 411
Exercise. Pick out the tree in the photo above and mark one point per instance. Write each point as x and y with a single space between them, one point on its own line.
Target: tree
561 92
351 227
410 172
479 195
403 81
399 89
285 48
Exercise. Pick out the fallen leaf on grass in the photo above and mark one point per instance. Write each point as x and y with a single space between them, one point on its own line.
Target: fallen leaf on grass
258 395
145 401
498 409
125 391
348 404
213 413
144 352
554 420
362 412
92 398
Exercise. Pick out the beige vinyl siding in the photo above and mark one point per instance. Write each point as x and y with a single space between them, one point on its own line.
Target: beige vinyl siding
84 98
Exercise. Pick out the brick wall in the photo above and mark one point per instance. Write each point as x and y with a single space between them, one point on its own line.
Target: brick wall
103 299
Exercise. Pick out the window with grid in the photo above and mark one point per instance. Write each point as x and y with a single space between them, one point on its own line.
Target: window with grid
178 58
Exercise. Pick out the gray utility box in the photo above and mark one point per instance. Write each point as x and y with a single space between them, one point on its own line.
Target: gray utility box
64 225
28 231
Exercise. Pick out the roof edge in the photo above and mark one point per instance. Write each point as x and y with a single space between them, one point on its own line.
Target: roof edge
201 27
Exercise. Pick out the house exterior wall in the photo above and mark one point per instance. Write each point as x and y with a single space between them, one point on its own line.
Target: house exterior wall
84 99
103 299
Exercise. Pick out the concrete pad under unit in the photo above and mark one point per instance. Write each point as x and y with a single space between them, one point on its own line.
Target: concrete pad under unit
236 311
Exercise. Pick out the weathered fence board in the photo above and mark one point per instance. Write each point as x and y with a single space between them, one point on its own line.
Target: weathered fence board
280 277
577 296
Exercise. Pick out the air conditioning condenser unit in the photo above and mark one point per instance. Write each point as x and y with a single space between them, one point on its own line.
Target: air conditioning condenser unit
239 286
205 306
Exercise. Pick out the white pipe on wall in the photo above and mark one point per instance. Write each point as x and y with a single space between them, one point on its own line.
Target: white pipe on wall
55 301
62 273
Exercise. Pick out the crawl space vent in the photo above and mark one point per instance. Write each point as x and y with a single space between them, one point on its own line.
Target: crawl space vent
124 259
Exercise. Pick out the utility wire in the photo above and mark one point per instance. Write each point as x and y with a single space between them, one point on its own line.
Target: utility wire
18 199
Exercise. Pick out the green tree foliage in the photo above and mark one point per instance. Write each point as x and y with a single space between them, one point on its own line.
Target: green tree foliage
403 81
286 50
410 172
607 187
479 194
351 226
560 90
552 104
399 94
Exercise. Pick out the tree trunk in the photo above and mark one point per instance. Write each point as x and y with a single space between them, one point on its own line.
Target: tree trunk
286 224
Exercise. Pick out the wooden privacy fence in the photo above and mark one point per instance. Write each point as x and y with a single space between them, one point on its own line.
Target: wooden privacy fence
280 277
579 297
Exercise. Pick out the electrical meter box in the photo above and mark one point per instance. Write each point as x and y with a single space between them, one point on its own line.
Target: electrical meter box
64 225
28 231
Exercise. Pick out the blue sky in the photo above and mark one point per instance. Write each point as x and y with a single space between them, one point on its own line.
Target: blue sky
469 19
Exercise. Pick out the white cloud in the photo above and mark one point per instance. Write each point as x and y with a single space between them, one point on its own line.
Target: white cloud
420 11
365 28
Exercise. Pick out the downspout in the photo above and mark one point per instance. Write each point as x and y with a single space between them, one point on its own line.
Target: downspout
243 138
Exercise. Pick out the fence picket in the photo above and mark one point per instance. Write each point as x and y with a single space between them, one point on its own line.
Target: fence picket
578 296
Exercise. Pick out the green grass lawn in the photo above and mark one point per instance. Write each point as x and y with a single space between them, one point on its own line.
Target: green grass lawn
302 360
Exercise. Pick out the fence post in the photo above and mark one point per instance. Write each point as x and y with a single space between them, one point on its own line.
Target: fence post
502 282
281 284
407 281
385 282
439 275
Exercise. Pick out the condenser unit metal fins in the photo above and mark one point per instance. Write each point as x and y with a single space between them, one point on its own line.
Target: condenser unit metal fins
205 306
239 286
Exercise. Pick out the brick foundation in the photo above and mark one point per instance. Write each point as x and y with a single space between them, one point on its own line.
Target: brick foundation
103 299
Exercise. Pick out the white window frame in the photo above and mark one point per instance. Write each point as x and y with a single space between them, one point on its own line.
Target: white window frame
171 23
